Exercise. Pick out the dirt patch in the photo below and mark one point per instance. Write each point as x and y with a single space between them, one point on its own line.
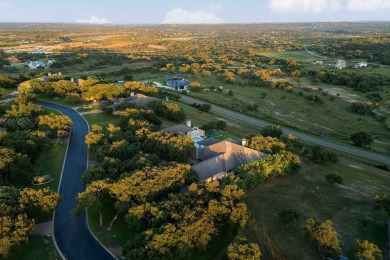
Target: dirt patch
43 229
157 47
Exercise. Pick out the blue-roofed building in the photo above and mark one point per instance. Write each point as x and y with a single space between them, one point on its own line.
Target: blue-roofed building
178 84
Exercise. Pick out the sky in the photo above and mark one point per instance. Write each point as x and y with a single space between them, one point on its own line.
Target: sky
192 11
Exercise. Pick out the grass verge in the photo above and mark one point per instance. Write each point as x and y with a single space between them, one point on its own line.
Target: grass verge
38 247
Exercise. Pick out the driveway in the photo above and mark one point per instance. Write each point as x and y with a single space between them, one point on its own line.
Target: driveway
71 233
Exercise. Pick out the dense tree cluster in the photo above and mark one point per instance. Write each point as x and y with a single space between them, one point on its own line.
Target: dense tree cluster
170 111
187 221
253 174
18 212
359 82
60 126
140 87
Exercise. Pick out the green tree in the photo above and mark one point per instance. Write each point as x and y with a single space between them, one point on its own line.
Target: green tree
272 131
367 250
92 198
361 139
324 234
36 201
3 93
382 201
242 250
266 144
288 216
321 154
55 123
14 230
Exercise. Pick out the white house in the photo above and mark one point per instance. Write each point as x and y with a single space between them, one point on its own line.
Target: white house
341 64
33 65
361 64
50 62
191 131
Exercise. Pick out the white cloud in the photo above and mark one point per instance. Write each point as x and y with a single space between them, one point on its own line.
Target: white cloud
182 16
305 6
93 20
368 5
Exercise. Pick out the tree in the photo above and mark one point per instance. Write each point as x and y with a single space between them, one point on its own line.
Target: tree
195 86
242 250
333 178
367 250
36 201
95 136
288 216
272 131
267 144
361 139
323 233
320 154
14 167
3 93
14 230
382 201
55 123
92 198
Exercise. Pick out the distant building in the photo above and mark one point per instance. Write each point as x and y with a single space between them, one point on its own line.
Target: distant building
33 65
318 63
341 64
178 84
361 64
50 62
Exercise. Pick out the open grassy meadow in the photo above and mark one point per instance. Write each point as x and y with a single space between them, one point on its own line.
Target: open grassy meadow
349 206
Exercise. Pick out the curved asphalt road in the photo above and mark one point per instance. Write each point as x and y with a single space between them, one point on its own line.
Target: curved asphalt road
71 233
234 115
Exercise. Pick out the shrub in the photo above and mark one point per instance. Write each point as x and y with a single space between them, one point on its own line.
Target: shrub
334 178
288 216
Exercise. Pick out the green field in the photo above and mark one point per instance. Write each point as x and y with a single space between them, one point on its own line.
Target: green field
101 119
332 120
312 197
38 247
50 163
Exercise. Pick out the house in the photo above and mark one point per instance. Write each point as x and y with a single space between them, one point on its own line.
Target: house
341 64
33 65
219 159
50 62
139 100
361 64
318 63
191 131
178 84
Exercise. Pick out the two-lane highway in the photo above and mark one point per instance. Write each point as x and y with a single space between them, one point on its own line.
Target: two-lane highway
256 122
71 233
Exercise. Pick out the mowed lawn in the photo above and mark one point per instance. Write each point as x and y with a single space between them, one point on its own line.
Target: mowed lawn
348 206
38 247
101 119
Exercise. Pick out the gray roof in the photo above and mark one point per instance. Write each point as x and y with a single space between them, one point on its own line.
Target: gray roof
209 141
178 83
138 99
223 157
37 64
178 129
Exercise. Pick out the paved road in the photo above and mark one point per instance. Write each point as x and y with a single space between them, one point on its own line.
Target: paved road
71 233
256 122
